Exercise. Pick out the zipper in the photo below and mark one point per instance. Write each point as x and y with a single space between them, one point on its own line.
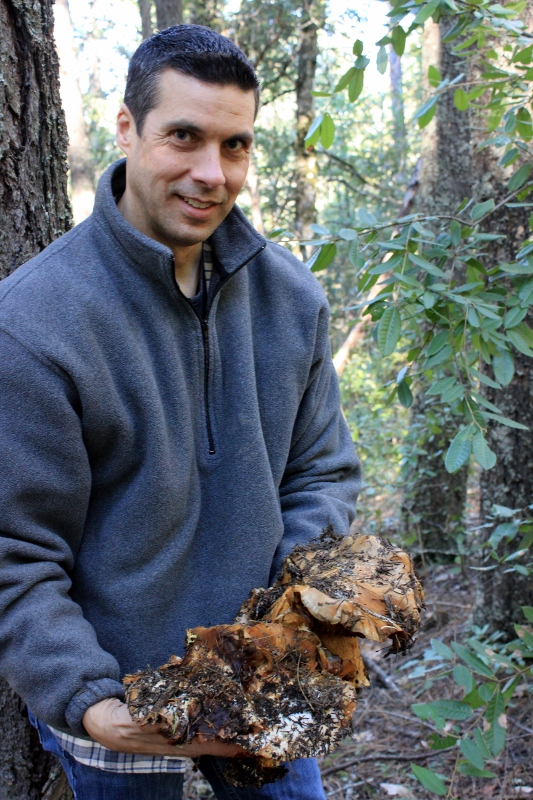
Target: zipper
204 323
205 331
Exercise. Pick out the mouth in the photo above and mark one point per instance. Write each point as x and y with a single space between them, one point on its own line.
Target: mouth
200 204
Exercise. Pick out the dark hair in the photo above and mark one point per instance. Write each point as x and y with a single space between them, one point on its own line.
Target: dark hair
193 50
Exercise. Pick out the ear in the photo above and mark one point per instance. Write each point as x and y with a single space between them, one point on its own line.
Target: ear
126 129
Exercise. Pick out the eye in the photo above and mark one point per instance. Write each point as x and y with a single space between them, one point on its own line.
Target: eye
182 135
236 145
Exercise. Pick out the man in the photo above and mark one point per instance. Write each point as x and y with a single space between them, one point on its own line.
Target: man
169 425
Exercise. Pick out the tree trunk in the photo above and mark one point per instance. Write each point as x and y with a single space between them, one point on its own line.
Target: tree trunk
252 184
500 594
82 178
446 178
34 204
145 9
306 163
168 12
35 210
398 117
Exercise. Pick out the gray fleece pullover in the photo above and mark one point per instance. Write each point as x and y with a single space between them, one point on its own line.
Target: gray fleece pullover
153 469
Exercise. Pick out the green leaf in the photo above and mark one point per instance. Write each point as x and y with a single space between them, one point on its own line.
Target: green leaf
460 99
517 339
437 343
524 56
452 394
472 753
389 330
441 386
468 769
480 209
426 117
428 300
354 255
355 86
439 358
437 742
442 649
323 258
405 396
429 780
382 60
510 423
459 450
503 366
368 220
357 47
314 131
528 612
495 714
482 452
472 661
463 677
502 531
524 125
519 177
348 234
481 743
344 80
434 76
426 12
398 37
427 266
327 131
451 709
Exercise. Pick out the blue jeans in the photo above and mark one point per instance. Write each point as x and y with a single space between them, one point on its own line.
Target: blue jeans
301 783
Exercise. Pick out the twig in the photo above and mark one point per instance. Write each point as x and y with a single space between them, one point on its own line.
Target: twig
378 757
380 673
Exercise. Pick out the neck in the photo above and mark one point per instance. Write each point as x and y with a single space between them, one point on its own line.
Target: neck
187 267
186 258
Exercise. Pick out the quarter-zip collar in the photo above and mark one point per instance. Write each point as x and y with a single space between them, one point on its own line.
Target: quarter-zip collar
235 242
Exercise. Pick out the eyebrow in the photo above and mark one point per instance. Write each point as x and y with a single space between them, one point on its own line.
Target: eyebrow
192 127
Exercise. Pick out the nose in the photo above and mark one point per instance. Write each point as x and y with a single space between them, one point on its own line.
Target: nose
207 168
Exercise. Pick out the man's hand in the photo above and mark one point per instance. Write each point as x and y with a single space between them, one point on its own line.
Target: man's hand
109 723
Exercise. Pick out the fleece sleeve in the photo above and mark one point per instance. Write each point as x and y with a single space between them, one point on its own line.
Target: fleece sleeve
49 653
322 477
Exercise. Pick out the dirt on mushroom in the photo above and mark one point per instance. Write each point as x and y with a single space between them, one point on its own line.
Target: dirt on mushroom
282 680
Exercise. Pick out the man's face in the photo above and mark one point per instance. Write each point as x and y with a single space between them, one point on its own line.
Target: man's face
185 171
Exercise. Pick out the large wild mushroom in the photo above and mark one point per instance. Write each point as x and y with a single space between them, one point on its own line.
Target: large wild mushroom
281 682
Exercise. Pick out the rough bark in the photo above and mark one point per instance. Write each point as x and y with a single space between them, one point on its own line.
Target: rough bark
500 594
306 163
446 178
168 12
34 204
145 10
252 184
34 209
82 178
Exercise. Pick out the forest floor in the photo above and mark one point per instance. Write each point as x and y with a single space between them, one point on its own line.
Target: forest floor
375 761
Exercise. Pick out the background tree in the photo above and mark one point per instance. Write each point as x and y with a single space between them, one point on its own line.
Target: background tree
81 170
312 18
35 210
446 179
